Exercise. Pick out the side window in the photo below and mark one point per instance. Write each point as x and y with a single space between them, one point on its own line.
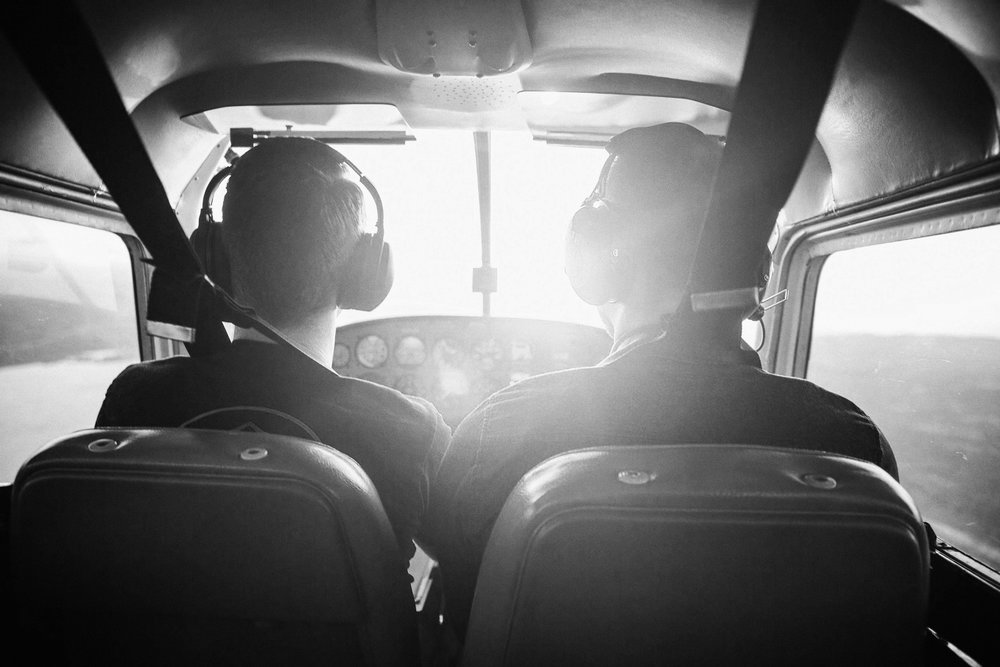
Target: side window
67 328
910 332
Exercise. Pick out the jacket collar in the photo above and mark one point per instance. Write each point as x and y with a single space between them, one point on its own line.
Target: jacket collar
686 339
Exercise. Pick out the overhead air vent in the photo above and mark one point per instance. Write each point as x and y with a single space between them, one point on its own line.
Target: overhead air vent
453 37
466 94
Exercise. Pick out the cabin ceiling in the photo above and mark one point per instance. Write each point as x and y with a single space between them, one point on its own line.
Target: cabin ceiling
915 97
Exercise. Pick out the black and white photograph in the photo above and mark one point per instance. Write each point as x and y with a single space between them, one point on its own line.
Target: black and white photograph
500 333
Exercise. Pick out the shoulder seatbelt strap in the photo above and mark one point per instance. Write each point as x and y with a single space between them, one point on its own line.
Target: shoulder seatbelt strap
790 64
58 50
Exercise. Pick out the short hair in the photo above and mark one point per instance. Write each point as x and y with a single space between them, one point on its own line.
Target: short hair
291 219
661 179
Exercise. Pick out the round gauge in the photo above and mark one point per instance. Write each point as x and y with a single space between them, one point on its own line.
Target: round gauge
487 353
371 351
410 351
341 355
408 384
447 352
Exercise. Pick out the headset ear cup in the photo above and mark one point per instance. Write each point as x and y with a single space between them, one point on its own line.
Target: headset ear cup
593 268
208 246
367 276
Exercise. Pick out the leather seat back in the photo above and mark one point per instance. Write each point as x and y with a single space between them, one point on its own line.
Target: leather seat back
174 546
702 555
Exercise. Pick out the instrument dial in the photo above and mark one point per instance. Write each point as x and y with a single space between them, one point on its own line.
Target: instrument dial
410 351
372 351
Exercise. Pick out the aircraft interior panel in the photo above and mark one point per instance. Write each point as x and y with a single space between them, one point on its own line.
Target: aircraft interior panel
456 362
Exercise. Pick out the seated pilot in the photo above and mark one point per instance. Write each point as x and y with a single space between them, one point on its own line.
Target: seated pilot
292 218
672 376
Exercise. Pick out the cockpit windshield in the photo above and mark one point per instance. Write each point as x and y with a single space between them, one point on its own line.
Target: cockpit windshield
431 199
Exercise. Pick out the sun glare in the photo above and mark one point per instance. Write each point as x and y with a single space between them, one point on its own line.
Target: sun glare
432 222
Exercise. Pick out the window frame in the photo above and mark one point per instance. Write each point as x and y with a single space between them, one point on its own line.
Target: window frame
33 195
966 201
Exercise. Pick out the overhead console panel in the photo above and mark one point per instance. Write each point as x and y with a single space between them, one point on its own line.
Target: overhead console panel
454 38
906 107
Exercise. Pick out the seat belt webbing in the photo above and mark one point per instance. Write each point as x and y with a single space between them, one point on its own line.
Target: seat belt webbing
57 49
790 64
72 74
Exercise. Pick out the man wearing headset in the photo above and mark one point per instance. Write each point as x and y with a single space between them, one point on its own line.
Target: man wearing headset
672 376
292 237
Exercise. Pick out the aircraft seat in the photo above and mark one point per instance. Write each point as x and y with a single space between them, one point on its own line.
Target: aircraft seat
702 555
176 546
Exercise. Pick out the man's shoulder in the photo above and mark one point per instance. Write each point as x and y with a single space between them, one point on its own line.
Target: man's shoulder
385 401
815 396
151 374
533 404
541 392
367 407
138 395
844 427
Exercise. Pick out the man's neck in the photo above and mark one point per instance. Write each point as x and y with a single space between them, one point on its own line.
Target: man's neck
633 324
627 321
314 336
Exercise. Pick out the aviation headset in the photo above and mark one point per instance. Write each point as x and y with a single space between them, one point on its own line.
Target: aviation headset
600 270
366 277
594 263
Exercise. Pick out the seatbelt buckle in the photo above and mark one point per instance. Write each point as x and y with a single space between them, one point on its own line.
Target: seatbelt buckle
774 300
170 331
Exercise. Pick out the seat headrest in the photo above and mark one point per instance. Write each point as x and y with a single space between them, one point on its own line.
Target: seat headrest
189 535
702 554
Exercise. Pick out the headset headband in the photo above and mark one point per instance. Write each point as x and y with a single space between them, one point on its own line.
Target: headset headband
598 192
635 139
370 187
213 185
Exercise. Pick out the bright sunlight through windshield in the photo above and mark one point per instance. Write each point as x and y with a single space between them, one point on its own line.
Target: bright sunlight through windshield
428 188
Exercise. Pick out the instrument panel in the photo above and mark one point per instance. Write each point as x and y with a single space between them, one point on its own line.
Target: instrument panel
455 362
